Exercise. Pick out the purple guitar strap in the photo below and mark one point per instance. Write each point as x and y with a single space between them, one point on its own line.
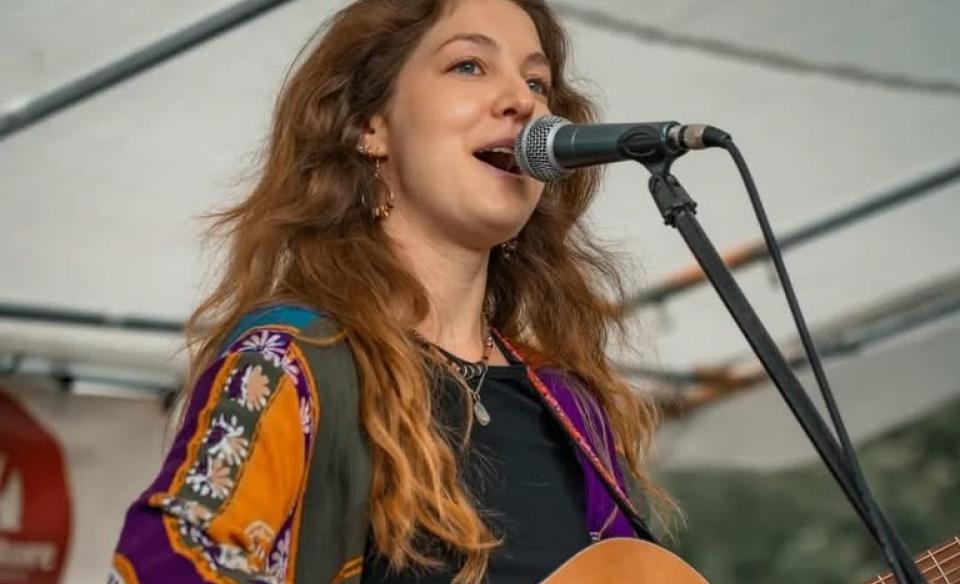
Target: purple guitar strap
601 498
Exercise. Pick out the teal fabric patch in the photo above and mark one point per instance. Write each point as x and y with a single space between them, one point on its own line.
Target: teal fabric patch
281 314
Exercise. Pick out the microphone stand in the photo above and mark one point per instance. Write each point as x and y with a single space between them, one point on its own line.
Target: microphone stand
679 210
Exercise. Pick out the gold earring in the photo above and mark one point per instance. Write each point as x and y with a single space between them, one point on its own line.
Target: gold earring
508 249
382 211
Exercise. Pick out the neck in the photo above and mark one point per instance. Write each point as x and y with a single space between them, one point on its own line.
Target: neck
455 279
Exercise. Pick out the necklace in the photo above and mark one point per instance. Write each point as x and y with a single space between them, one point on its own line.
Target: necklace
465 371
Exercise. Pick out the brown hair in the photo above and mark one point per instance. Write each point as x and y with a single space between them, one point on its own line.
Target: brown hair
305 234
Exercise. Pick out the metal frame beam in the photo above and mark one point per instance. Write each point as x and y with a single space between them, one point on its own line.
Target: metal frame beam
74 92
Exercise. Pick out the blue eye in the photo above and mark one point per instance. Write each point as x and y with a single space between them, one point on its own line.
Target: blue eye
538 85
467 67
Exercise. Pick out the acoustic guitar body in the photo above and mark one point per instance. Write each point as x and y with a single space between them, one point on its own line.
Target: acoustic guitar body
625 561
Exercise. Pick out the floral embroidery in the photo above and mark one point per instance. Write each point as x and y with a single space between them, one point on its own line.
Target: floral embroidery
198 514
199 538
193 519
306 416
210 478
261 536
189 511
270 345
250 382
232 557
277 566
254 389
289 366
226 441
275 348
195 534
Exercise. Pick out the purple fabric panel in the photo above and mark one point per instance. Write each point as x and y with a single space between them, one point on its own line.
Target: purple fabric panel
599 503
178 450
143 541
621 525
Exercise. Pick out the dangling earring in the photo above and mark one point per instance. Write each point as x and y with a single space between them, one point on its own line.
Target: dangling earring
508 249
382 211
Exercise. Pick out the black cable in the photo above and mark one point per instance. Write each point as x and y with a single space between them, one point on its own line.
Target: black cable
897 557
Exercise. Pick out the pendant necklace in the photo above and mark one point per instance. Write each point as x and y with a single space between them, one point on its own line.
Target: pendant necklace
483 416
465 371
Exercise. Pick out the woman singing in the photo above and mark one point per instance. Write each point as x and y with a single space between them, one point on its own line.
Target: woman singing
401 376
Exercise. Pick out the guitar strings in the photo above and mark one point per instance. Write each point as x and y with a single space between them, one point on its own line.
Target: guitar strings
938 564
943 575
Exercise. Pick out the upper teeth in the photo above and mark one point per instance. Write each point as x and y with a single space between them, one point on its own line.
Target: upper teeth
500 149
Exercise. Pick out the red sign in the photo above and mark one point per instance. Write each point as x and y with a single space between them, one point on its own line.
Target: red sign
34 499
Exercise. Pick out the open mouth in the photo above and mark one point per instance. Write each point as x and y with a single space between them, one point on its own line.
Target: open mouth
499 158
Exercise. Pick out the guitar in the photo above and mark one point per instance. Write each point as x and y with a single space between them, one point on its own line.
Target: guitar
634 561
939 565
620 560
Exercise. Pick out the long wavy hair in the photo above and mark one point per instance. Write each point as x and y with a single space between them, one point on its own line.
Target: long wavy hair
305 234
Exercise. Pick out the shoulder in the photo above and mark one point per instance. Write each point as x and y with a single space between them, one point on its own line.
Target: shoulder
306 342
286 320
277 330
261 369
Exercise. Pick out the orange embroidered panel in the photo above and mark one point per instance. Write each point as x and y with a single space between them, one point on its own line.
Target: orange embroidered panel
226 504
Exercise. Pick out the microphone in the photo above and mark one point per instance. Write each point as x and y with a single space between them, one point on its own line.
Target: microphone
549 148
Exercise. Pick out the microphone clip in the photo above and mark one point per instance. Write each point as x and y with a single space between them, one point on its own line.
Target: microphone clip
655 145
669 195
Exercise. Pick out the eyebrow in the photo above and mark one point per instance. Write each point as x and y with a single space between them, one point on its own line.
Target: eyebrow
537 58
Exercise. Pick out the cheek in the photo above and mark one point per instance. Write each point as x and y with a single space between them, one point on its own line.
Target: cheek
434 116
430 138
429 141
535 192
542 109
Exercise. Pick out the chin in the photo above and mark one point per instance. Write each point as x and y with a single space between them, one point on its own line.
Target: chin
509 206
491 229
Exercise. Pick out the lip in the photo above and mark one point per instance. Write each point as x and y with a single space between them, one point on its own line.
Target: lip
505 142
502 174
508 141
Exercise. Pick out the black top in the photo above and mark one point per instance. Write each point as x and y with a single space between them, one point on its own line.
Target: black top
522 470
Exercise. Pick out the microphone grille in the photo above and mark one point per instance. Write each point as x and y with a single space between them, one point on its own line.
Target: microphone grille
534 149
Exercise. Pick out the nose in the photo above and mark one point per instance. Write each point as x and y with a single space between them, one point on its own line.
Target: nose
515 100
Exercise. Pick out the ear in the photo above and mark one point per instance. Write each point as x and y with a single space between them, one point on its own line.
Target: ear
375 137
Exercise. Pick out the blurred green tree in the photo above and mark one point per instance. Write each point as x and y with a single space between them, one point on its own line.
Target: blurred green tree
795 525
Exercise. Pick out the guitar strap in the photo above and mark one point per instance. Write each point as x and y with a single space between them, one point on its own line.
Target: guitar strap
563 417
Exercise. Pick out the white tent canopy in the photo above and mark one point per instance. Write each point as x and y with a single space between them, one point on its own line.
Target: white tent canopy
831 103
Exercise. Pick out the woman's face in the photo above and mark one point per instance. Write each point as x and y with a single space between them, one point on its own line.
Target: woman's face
472 83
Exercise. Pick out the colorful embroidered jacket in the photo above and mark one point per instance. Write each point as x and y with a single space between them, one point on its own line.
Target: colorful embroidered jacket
267 480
